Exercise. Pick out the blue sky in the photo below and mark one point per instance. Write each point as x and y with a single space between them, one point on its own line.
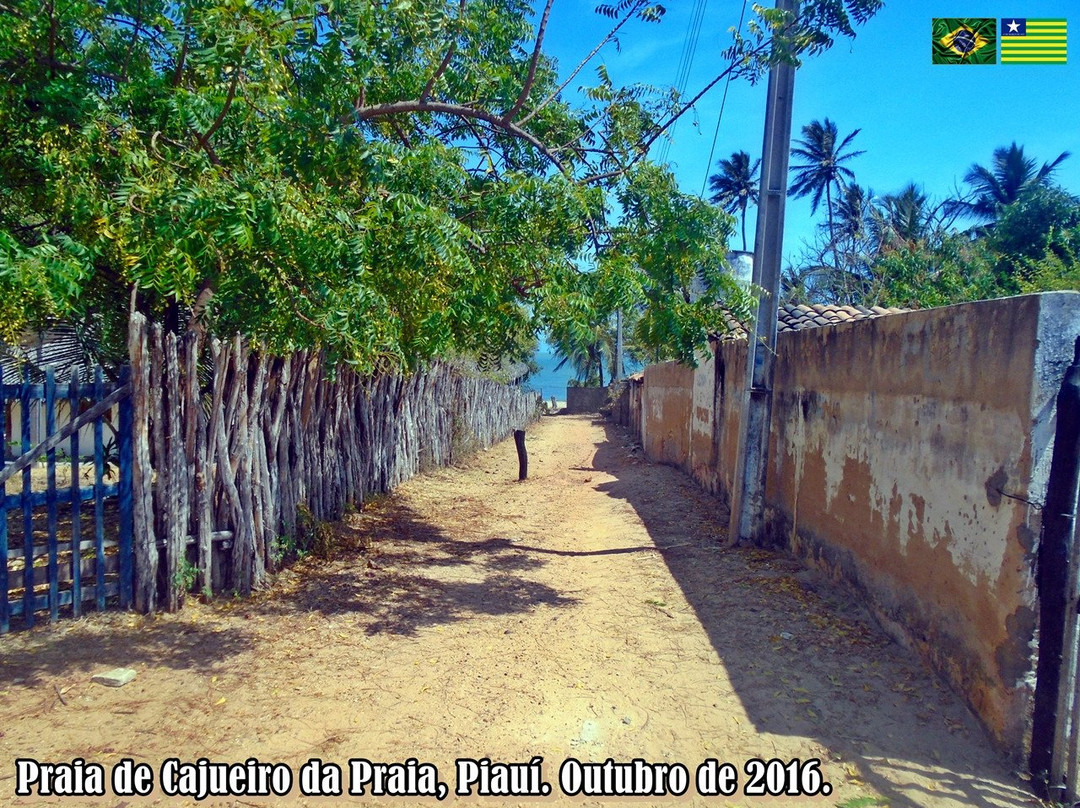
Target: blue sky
919 122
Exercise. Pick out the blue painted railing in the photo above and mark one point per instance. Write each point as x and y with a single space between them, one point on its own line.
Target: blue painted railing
64 584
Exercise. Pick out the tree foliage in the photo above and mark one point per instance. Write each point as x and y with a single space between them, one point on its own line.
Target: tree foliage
822 171
905 249
1011 175
392 181
679 243
735 186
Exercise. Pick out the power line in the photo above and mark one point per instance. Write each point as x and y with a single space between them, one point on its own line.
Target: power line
720 117
682 74
689 44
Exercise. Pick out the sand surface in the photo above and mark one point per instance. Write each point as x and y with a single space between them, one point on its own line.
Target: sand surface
587 613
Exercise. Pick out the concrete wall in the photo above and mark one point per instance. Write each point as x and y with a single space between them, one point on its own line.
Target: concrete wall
585 399
626 409
667 405
904 457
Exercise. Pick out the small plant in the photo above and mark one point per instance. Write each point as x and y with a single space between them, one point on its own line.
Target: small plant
863 802
185 576
317 535
110 461
281 549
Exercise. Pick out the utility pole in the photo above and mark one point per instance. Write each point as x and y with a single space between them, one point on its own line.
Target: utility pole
748 493
618 369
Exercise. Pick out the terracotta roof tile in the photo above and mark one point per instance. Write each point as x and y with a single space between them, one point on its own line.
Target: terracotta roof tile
797 316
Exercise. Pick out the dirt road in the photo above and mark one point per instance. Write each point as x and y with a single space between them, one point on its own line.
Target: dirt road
585 614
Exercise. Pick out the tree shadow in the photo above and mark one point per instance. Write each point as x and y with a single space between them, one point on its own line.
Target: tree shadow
802 654
404 573
395 573
115 639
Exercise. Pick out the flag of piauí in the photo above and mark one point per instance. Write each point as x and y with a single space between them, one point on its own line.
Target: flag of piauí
1032 42
964 41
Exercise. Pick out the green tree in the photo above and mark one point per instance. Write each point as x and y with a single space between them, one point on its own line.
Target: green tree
293 170
578 325
735 186
822 171
677 244
1009 177
836 268
856 242
1038 241
918 275
904 217
391 181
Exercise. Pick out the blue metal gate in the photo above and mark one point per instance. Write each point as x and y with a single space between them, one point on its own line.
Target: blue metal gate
64 545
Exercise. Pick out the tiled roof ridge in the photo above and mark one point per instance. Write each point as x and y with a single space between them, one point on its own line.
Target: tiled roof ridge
800 316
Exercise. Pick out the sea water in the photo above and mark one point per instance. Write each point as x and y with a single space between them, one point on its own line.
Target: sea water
549 381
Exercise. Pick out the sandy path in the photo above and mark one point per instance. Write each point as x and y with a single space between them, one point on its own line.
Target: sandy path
587 613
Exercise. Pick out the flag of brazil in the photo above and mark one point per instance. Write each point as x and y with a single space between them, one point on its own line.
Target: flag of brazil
964 41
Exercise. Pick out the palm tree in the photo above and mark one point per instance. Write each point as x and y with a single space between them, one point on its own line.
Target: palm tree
853 215
585 350
904 217
852 212
736 186
822 171
1011 175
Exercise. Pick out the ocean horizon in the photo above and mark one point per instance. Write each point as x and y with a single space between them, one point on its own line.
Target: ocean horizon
551 382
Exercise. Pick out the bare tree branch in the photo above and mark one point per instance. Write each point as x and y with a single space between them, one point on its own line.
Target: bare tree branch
178 73
204 140
426 92
403 136
583 62
445 60
644 146
137 25
531 77
460 111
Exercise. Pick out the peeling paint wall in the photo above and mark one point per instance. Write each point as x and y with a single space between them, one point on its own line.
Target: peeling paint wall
666 406
906 452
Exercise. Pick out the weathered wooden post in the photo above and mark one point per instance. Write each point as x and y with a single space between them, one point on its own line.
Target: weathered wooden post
523 456
144 537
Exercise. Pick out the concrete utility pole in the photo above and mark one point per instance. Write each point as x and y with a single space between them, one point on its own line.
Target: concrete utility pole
748 495
618 369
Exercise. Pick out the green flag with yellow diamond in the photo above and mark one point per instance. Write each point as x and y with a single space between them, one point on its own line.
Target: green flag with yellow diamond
964 41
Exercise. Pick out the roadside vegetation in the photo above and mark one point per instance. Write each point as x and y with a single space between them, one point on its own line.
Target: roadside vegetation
390 181
1009 229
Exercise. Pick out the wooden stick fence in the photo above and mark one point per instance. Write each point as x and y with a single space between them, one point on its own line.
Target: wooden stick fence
229 442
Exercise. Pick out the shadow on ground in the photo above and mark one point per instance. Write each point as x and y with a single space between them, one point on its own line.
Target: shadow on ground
111 639
395 594
804 657
389 587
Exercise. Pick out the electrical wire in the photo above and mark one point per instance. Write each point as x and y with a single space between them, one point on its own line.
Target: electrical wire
686 62
720 117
